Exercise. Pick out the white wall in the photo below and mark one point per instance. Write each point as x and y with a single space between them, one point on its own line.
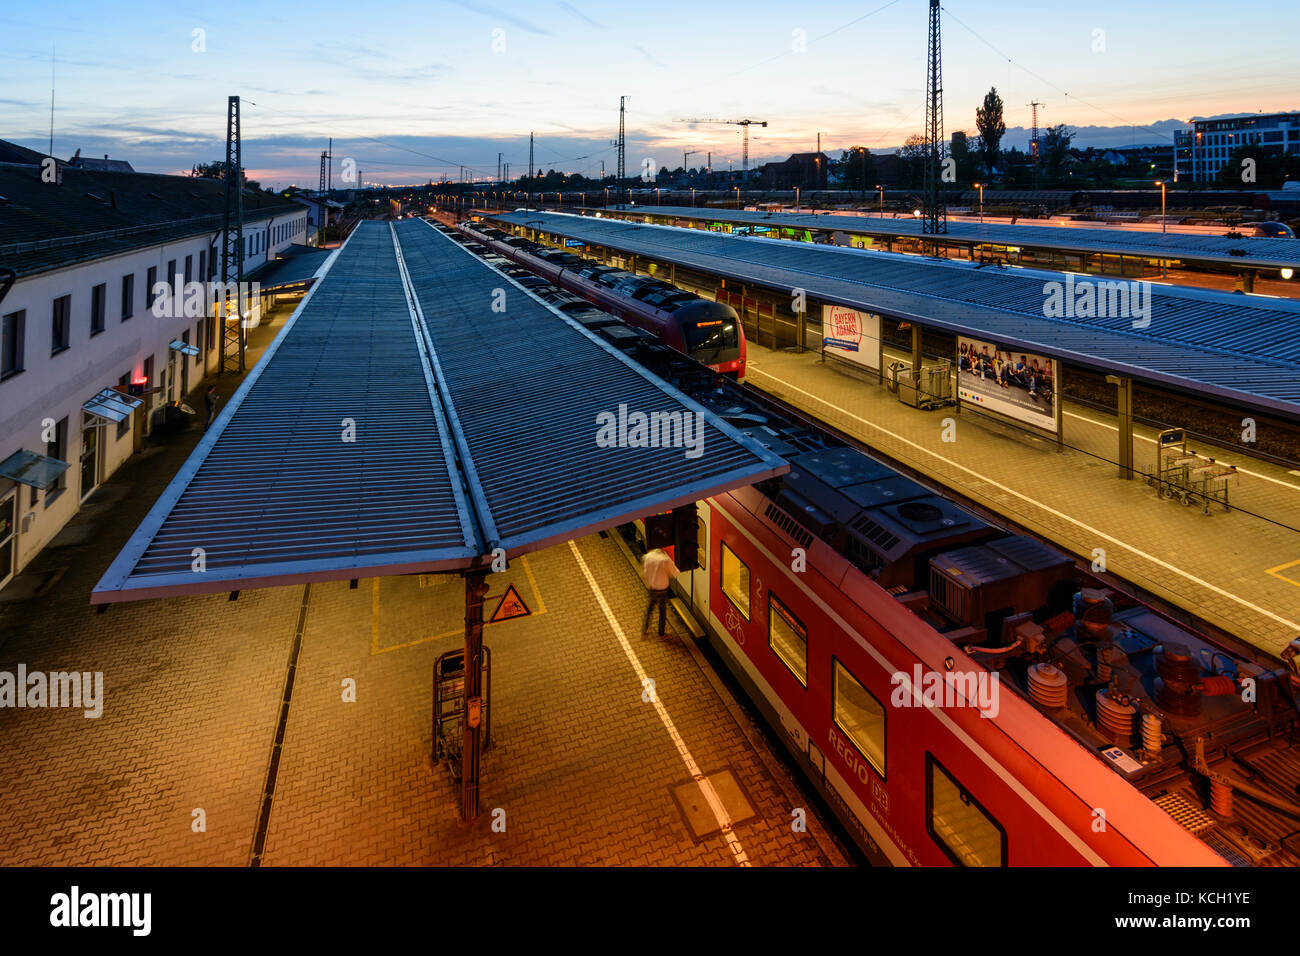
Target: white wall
55 386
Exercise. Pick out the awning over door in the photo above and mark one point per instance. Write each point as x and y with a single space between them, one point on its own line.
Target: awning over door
31 469
112 405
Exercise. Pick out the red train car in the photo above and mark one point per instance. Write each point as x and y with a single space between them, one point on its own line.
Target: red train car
708 332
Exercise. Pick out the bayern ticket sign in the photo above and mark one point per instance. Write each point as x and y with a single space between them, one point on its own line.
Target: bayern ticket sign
851 335
1010 382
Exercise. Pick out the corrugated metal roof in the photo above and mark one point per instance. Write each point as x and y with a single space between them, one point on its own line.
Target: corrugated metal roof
474 429
528 384
1241 348
1251 251
275 492
297 267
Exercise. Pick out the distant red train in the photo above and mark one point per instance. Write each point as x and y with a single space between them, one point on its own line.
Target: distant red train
963 695
709 332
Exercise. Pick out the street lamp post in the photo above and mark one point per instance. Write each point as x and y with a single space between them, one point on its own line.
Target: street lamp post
737 189
692 197
980 187
882 199
1161 184
796 198
657 190
606 197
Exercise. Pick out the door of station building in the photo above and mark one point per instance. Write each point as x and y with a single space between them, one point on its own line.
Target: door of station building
8 541
90 426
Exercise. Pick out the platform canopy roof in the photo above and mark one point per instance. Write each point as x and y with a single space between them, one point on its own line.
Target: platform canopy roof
1238 349
417 412
1253 251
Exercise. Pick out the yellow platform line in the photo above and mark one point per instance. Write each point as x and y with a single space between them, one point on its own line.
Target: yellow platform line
375 649
1282 567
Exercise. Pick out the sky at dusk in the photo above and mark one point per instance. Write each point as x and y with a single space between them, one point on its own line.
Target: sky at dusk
411 91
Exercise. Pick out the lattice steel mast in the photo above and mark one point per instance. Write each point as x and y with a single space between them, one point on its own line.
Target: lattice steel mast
232 245
936 217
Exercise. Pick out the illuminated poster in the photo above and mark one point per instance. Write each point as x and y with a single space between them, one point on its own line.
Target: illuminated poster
851 335
1010 382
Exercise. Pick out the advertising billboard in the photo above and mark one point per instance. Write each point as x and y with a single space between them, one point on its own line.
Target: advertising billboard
1010 382
851 335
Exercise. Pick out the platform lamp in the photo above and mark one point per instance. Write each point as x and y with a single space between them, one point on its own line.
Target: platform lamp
980 187
737 189
1161 184
881 190
692 197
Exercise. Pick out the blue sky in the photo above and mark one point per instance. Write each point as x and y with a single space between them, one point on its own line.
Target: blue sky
454 82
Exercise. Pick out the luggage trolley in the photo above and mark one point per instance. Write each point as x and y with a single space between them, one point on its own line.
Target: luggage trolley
1190 477
449 707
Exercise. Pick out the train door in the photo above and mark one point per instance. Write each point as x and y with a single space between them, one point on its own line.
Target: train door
698 584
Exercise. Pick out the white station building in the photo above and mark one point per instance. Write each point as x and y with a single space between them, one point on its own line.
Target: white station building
85 358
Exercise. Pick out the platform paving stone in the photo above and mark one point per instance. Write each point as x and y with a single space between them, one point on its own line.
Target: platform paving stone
1214 566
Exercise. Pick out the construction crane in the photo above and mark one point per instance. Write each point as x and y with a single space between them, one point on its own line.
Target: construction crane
686 155
744 124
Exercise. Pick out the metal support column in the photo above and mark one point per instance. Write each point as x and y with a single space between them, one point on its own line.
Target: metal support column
916 355
1058 399
476 589
1124 408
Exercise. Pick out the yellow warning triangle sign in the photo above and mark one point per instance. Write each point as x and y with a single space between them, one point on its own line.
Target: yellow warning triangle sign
512 605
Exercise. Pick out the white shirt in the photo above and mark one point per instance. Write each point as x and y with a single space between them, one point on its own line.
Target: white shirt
657 569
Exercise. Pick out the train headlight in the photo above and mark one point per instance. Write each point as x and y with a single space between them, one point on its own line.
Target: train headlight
1287 273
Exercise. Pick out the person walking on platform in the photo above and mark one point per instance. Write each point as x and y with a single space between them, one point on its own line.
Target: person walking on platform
210 400
657 570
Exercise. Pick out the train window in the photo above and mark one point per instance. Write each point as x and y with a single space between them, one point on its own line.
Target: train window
735 581
956 821
702 543
788 638
860 716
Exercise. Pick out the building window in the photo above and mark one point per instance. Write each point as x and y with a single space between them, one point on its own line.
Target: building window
150 281
203 266
956 821
201 340
860 716
11 343
788 638
148 374
98 306
735 581
212 262
58 450
61 325
171 278
128 296
189 269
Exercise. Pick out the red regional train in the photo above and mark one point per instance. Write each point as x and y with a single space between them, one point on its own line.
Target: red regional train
709 332
964 695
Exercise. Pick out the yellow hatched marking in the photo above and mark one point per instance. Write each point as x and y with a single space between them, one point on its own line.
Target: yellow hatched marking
375 649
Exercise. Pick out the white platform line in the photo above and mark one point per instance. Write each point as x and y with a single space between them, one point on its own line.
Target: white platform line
710 795
1291 625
